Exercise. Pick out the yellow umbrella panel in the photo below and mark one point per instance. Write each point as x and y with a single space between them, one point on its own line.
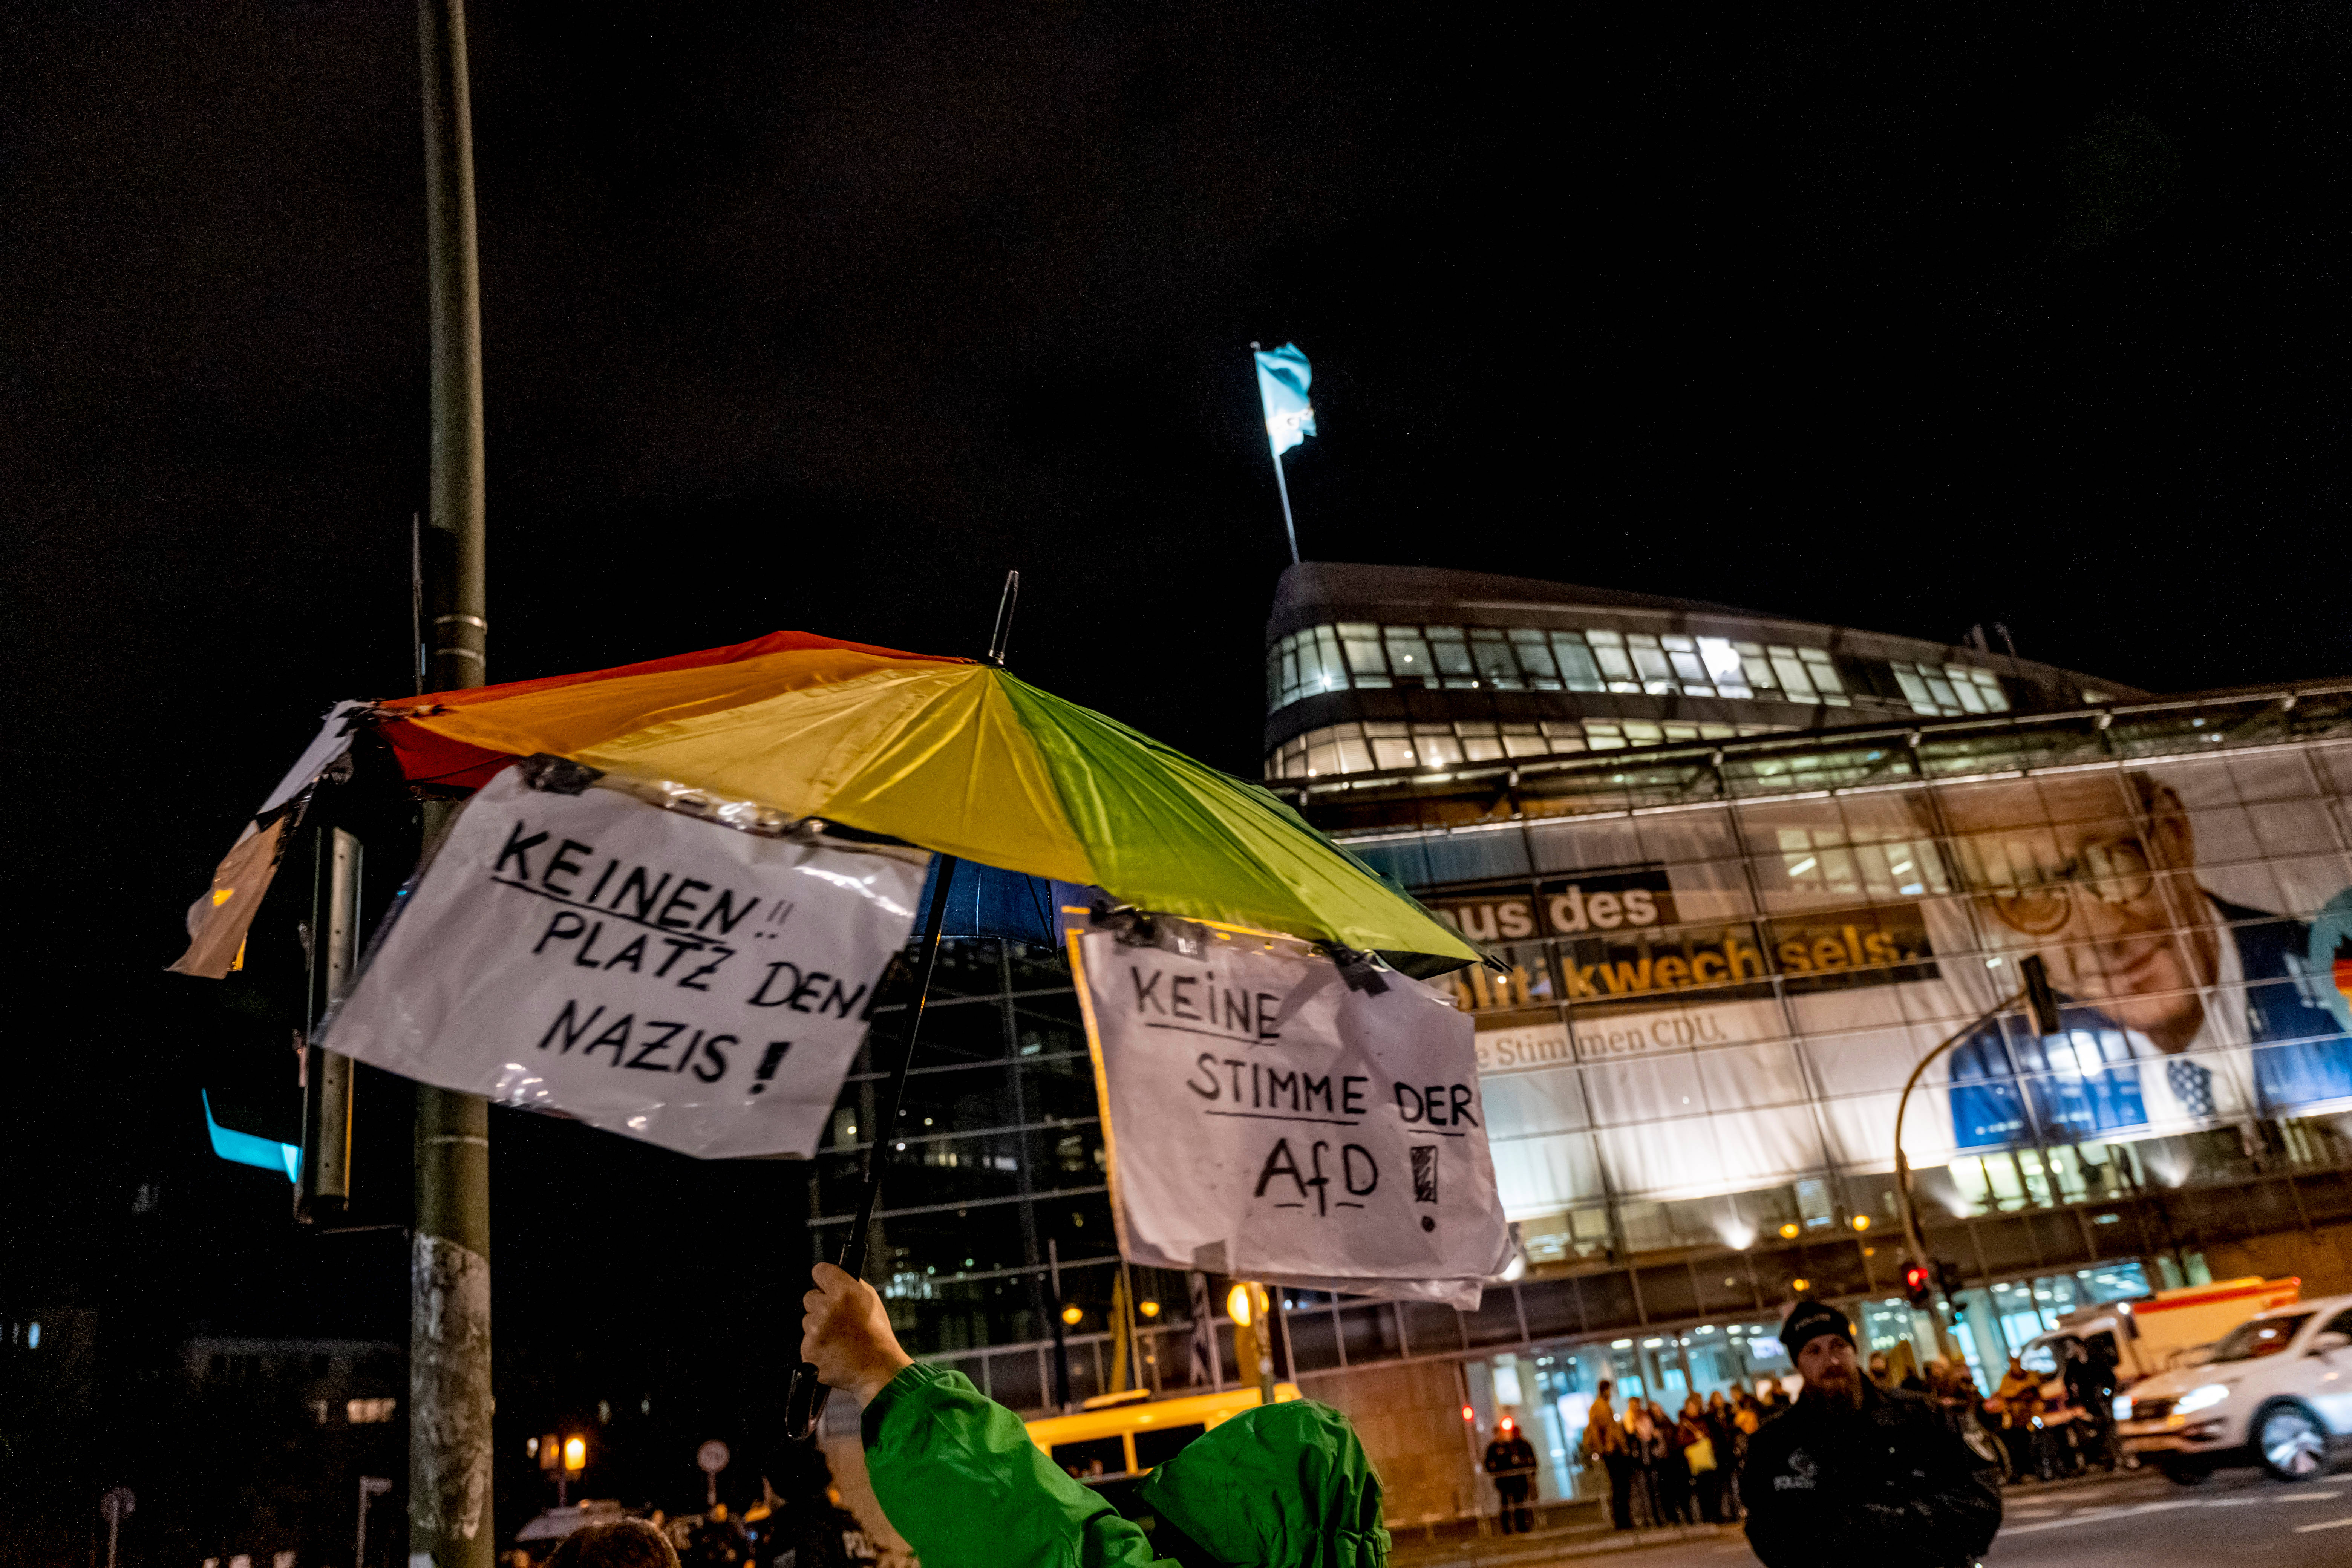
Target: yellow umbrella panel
971 761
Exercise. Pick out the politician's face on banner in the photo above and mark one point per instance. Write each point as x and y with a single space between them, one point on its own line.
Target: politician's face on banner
2096 872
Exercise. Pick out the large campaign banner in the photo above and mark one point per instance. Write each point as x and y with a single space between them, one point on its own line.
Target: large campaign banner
1731 998
1272 1116
656 973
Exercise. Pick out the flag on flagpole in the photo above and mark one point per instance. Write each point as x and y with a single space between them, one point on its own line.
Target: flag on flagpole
1283 378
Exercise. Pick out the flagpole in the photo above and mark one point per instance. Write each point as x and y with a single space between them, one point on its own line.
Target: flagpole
1281 485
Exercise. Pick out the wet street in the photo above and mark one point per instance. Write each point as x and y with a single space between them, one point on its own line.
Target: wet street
2238 1518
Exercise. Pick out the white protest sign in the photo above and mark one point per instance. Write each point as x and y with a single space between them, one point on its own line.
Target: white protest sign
1270 1119
657 975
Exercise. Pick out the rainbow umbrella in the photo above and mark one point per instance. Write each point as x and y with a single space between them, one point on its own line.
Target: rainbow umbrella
953 756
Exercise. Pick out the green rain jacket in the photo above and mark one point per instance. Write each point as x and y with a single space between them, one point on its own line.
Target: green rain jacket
1283 1485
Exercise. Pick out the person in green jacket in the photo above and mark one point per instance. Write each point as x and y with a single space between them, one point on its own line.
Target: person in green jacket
1281 1486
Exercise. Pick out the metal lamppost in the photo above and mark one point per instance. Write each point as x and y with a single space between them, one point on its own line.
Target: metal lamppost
117 1506
370 1487
575 1460
2043 1002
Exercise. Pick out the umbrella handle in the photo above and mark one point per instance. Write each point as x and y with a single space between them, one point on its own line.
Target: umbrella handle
801 1403
804 1399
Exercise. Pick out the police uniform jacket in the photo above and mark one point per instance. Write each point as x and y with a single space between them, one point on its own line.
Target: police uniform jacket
1887 1485
1510 1459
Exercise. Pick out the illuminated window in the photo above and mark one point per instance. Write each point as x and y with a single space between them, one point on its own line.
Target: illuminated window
1366 664
1451 655
1578 670
1391 745
1950 690
1724 666
1650 663
1524 741
1683 654
1435 745
1794 674
1490 651
1535 656
1609 652
369 1412
1408 654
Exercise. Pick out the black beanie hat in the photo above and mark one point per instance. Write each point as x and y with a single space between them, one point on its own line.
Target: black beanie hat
1809 1321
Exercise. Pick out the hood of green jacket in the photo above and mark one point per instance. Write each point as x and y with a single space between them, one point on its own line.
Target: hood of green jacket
1281 1486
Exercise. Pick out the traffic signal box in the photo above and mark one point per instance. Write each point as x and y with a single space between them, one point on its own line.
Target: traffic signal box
1918 1284
354 841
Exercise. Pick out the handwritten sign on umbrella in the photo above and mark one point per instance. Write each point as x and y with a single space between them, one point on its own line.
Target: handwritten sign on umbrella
1272 1117
661 976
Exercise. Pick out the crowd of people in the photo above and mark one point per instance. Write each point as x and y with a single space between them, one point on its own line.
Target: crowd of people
1676 1468
1666 1468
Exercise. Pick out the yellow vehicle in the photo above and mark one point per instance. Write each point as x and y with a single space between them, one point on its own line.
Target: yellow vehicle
1122 1436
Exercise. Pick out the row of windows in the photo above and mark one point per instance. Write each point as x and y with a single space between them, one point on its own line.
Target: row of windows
1947 690
1374 745
1361 655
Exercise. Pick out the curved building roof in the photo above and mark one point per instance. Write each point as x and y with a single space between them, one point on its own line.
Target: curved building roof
1374 667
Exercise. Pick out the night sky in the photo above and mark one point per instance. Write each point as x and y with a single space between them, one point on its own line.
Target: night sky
824 317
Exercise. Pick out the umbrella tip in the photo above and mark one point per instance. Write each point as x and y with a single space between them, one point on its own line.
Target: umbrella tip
1003 633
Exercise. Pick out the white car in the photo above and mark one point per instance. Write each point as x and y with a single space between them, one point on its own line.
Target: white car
2275 1390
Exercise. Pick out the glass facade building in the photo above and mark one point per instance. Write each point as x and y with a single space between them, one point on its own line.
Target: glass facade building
1723 947
1371 668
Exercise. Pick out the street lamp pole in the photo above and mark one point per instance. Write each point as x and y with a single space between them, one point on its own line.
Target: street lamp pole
117 1506
2036 994
370 1486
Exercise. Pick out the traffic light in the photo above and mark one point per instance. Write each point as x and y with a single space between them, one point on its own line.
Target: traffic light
1948 1277
1918 1284
270 1097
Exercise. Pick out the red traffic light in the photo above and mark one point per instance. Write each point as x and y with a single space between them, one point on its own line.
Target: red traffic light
1918 1284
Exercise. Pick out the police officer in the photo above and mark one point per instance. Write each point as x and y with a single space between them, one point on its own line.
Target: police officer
1511 1461
1858 1474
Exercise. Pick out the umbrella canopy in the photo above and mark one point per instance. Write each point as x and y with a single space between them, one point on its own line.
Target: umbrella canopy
950 754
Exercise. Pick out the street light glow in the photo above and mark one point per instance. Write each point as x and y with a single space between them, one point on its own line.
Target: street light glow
575 1453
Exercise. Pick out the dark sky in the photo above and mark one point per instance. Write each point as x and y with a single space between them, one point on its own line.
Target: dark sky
823 317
